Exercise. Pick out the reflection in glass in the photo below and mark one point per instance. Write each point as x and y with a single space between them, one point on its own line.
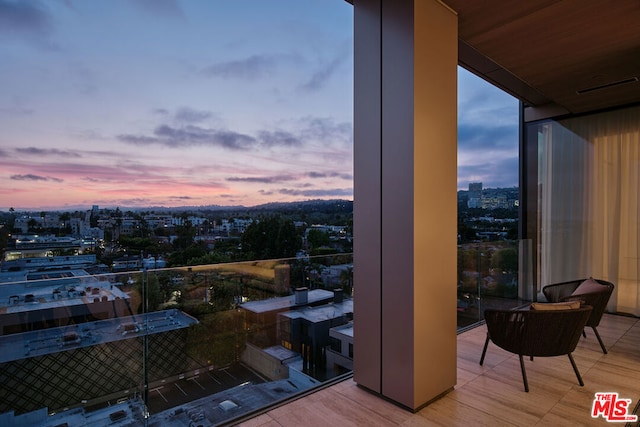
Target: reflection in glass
198 344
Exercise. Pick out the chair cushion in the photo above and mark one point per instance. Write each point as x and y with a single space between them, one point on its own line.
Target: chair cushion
555 305
589 286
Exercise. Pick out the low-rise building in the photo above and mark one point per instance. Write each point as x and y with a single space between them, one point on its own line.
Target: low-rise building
340 350
306 331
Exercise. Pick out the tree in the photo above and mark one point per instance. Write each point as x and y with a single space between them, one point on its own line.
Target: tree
93 219
505 260
66 224
140 244
317 238
6 225
149 293
271 237
32 224
65 216
218 339
185 234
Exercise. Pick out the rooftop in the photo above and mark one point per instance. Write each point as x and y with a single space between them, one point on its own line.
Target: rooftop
281 353
283 303
53 340
321 313
346 329
52 289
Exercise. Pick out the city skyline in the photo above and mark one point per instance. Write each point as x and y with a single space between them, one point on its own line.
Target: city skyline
172 103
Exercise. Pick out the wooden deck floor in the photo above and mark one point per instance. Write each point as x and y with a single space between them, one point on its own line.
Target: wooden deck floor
493 394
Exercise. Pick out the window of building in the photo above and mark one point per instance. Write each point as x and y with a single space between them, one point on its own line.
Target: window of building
335 344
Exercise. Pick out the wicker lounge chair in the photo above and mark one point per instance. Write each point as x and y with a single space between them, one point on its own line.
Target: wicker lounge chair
593 292
536 333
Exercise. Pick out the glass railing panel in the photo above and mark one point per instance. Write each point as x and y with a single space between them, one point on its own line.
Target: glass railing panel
68 341
209 342
196 345
489 276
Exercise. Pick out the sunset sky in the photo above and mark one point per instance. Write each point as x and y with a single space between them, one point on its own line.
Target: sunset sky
138 103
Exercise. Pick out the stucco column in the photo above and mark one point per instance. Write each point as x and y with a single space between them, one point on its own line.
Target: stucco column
405 206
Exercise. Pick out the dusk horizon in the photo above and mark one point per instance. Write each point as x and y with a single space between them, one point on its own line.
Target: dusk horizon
181 103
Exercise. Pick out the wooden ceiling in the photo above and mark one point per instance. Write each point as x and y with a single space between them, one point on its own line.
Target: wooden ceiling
582 55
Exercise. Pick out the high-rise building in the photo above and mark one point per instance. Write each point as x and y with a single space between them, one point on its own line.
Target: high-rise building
475 195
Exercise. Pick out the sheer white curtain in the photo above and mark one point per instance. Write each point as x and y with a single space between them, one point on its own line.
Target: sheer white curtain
564 160
590 204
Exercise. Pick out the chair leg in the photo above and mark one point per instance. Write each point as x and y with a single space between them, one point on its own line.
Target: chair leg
584 333
524 374
575 369
484 350
604 349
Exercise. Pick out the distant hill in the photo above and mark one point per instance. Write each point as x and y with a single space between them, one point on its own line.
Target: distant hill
313 205
307 205
337 211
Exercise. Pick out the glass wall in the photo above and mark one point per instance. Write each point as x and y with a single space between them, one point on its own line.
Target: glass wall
489 276
587 175
200 345
488 199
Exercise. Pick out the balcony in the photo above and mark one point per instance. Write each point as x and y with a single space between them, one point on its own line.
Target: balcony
201 344
223 343
492 394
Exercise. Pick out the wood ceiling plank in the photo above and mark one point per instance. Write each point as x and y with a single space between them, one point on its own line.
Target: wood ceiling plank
558 47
